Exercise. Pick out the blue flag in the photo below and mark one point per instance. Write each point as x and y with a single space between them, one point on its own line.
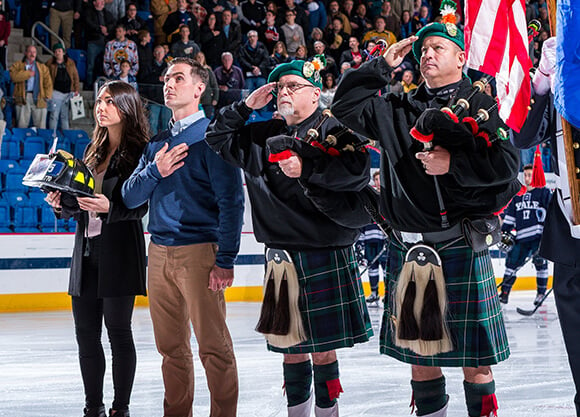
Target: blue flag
567 81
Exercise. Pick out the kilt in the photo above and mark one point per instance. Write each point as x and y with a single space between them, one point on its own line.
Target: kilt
474 316
332 303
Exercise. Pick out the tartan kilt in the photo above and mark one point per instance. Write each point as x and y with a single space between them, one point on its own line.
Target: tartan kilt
474 315
332 302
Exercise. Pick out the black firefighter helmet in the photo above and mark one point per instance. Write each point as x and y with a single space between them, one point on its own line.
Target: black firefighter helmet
60 171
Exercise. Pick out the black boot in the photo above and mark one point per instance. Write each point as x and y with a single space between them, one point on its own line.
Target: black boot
95 412
119 413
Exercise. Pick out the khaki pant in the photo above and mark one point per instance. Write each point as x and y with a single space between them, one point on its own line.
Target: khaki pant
23 113
58 18
178 295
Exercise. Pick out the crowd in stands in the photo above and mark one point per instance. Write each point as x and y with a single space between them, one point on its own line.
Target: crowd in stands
240 41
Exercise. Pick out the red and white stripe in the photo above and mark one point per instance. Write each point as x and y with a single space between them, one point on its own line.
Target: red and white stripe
496 43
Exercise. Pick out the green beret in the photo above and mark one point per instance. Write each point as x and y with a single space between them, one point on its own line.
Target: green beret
58 46
447 31
304 69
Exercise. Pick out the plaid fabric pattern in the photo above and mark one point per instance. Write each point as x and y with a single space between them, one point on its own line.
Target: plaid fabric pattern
474 315
332 301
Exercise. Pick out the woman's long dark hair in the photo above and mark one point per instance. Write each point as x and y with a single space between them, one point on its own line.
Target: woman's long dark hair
134 135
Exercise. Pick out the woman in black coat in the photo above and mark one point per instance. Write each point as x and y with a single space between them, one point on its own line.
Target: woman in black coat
213 41
108 262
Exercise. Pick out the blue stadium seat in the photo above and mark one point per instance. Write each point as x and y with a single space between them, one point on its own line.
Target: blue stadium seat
7 165
14 198
5 220
74 135
80 58
26 218
10 150
33 146
13 182
48 221
21 134
47 135
79 148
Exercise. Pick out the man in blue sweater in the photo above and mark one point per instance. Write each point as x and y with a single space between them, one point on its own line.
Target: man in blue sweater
195 218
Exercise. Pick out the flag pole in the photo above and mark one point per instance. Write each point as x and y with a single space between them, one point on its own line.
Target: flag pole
573 170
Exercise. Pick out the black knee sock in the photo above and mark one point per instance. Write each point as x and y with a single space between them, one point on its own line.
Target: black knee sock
480 398
297 380
326 384
429 396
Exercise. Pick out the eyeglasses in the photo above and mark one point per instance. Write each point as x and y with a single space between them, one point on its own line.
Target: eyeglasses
292 87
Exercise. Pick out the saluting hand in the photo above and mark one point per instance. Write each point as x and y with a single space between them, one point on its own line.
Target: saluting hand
170 161
397 51
261 96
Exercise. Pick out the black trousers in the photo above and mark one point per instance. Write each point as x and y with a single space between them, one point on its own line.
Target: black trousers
567 293
88 313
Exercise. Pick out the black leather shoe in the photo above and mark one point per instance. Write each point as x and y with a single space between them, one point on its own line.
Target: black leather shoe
119 413
95 412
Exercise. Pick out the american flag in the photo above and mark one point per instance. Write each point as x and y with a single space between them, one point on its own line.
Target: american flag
496 43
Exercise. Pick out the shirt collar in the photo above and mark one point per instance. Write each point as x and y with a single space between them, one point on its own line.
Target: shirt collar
177 127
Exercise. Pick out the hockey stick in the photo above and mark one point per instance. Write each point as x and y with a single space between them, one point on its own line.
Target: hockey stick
374 260
531 312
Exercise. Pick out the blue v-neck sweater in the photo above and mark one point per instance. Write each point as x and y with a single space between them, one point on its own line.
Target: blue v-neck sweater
201 202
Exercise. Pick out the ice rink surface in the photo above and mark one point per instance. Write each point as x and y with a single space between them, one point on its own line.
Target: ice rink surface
40 377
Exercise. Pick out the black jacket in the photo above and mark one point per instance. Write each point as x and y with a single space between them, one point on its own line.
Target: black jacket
479 182
122 257
558 244
92 28
258 57
173 21
283 216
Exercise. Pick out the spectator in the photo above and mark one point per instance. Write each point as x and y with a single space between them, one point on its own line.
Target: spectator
99 24
116 8
160 9
348 8
293 33
213 42
270 33
4 34
327 92
133 23
254 61
253 15
320 49
353 55
184 47
422 19
407 81
144 52
230 80
126 76
374 8
380 32
181 17
279 56
32 88
392 21
65 81
151 89
407 28
334 11
399 6
300 16
317 16
336 38
316 35
32 11
210 96
62 13
301 53
362 21
217 7
231 31
120 49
